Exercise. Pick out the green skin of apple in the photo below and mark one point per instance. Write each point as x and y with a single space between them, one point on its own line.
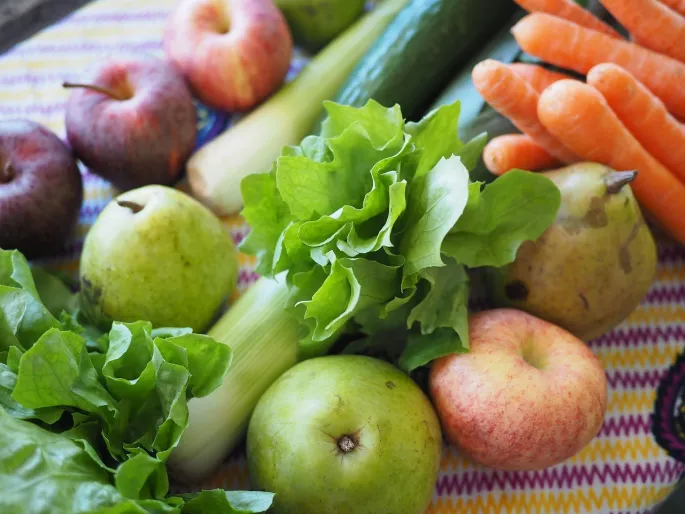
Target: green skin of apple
157 254
345 434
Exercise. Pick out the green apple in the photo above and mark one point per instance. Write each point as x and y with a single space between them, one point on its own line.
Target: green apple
345 434
156 254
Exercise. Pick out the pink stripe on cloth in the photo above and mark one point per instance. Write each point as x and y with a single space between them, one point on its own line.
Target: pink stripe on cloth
629 425
635 378
666 294
636 336
561 477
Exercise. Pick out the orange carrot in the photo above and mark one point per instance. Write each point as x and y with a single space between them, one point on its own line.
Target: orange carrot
570 11
512 151
512 97
643 114
653 25
568 45
676 5
579 116
537 76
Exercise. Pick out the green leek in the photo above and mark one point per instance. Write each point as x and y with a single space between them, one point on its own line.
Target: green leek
251 146
264 339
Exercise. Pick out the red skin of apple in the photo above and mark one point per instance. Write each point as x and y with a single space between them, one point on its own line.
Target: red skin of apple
504 412
144 135
234 53
41 190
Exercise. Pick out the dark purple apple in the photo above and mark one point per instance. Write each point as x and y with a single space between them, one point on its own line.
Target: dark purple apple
133 122
41 190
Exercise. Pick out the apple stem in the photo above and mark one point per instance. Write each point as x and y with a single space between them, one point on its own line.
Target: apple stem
616 180
7 173
346 444
135 207
93 87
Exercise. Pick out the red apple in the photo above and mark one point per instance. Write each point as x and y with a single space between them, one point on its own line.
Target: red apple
133 122
234 53
528 394
40 189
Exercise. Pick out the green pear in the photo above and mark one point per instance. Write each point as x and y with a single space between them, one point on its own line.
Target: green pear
593 266
156 254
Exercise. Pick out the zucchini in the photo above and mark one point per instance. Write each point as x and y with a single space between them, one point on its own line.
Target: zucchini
421 50
502 47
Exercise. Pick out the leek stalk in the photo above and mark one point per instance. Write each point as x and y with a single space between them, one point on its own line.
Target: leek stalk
264 339
216 170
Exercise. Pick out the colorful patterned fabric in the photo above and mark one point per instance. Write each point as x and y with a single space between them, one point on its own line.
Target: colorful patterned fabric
623 471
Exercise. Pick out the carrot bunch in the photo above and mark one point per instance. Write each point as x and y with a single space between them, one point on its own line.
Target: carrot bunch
625 115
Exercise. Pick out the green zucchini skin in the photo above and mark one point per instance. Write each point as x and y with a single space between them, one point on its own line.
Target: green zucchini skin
421 50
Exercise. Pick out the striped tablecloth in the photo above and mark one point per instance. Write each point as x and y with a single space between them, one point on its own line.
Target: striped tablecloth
623 470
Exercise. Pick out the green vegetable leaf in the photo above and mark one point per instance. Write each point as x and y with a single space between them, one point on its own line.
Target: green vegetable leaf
8 381
142 477
54 293
362 218
119 398
57 372
218 501
380 123
436 137
267 214
16 272
517 207
139 507
435 204
424 348
445 303
352 285
314 189
46 473
23 318
207 361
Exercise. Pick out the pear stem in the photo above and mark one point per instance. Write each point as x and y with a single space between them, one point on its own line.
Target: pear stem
616 180
135 207
93 87
7 173
346 444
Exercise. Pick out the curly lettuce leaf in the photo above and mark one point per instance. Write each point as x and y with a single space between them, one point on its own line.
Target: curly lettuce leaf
142 477
436 137
119 398
138 391
23 317
263 203
227 502
46 473
518 206
43 472
445 302
335 210
436 202
352 286
57 372
421 349
53 292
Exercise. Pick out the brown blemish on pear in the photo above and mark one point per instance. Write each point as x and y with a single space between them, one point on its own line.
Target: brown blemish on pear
594 265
